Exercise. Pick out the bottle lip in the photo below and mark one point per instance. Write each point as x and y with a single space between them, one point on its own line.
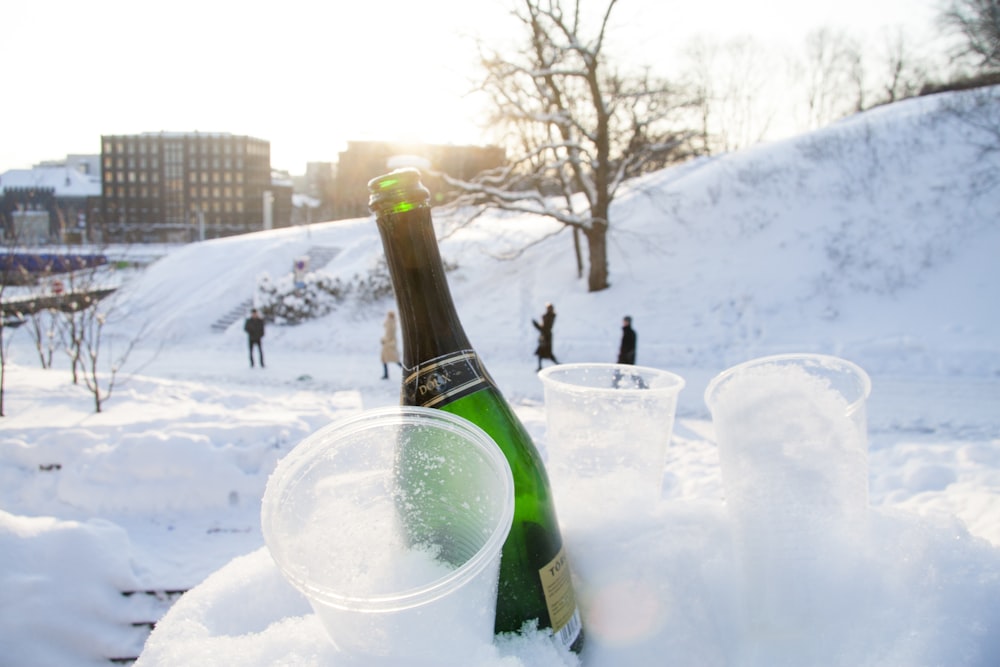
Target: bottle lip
399 190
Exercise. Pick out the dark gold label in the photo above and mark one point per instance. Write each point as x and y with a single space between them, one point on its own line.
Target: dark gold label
440 381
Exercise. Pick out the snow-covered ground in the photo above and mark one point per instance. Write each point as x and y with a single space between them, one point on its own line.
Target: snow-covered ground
875 240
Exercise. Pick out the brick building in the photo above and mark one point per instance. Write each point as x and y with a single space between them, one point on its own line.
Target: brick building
176 187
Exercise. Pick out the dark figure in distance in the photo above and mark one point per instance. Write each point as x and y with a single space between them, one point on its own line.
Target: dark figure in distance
254 326
544 349
626 351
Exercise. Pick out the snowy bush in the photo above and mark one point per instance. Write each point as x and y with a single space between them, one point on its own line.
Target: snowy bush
282 301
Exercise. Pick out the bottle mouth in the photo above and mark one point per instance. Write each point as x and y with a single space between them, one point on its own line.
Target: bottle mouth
396 192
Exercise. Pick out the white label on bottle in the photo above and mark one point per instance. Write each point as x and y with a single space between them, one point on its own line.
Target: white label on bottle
560 599
440 381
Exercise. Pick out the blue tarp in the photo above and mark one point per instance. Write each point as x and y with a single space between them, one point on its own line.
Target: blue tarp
48 263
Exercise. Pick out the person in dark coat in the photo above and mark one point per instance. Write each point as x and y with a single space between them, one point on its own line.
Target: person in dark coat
544 349
626 351
254 326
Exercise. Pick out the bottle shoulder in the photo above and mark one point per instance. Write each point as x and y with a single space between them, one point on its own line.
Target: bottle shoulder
489 410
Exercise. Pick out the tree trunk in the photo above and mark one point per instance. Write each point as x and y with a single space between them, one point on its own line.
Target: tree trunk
597 246
577 253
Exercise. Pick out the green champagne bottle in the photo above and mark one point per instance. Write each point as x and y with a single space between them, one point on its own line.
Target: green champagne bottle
442 370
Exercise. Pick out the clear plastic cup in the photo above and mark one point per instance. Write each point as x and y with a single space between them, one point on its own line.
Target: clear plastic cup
792 436
793 451
391 524
608 427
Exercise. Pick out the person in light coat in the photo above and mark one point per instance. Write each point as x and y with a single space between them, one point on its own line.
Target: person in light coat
390 351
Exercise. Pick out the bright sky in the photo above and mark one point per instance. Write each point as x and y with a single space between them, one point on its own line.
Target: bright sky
310 76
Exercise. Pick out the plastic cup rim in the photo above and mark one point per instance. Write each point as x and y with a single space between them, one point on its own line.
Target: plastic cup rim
546 375
827 360
432 590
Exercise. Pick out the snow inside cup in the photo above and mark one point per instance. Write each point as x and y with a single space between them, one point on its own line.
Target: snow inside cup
608 427
391 524
793 451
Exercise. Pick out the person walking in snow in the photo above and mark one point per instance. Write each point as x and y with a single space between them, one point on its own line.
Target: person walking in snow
544 349
390 352
254 326
626 350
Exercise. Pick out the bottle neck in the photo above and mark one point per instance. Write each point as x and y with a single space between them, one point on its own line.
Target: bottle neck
427 317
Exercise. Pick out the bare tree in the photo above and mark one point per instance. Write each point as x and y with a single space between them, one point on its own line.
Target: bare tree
39 313
732 80
42 325
7 268
86 308
11 273
902 71
101 380
976 24
577 128
833 75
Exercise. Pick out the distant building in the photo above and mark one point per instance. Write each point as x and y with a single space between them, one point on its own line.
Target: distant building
177 187
280 199
364 160
320 185
56 201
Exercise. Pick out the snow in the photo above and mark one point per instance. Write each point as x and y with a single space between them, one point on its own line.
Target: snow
874 240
